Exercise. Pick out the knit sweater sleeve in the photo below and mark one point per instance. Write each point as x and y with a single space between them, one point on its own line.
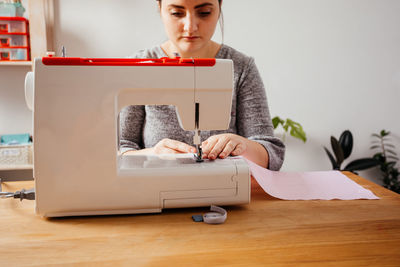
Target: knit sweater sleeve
253 117
131 128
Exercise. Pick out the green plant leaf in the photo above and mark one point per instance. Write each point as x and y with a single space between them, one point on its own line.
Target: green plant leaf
393 157
380 158
296 130
335 166
389 151
389 145
361 164
286 126
346 143
292 123
384 133
377 135
276 121
298 133
337 150
374 147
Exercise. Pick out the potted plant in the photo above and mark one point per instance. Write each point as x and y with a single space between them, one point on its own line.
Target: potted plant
342 149
387 159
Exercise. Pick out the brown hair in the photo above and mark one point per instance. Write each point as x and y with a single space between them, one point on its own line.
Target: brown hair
219 1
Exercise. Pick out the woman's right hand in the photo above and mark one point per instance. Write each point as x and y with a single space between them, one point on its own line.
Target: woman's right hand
169 146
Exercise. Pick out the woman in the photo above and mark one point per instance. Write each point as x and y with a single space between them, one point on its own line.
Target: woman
190 25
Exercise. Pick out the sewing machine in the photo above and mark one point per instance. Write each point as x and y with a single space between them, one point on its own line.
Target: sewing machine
78 168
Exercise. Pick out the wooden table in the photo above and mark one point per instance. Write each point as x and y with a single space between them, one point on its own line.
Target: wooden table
267 231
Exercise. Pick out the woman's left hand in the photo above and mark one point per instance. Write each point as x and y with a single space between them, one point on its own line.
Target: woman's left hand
223 145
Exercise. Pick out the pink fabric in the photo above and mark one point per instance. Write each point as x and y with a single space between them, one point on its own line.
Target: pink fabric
325 185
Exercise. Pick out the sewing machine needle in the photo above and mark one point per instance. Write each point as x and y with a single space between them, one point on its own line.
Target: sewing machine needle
196 137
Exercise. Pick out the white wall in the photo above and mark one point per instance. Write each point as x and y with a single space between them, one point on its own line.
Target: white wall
14 115
331 65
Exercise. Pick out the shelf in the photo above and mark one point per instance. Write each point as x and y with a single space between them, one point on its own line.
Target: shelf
15 167
41 21
16 63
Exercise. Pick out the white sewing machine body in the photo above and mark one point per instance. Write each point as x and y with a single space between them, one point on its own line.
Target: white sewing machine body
78 169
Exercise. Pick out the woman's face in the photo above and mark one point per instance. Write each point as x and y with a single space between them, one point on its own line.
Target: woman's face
190 24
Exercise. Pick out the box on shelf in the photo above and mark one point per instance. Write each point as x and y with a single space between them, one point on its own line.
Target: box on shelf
11 155
11 9
14 54
13 25
14 39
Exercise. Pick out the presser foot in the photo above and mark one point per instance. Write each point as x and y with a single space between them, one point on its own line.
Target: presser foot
199 156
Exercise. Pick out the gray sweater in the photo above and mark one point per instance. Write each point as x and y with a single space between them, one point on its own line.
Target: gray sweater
144 126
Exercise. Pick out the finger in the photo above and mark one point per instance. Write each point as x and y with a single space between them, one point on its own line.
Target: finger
209 144
239 150
204 145
229 147
218 147
179 146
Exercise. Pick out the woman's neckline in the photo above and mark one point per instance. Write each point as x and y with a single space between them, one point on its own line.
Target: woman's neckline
217 55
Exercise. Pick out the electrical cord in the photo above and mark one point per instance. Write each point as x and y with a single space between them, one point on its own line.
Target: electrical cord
23 194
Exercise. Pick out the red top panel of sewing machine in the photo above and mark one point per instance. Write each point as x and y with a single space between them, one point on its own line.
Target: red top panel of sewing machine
165 61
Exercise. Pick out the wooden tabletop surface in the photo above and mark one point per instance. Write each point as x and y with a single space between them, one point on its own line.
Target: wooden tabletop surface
268 231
